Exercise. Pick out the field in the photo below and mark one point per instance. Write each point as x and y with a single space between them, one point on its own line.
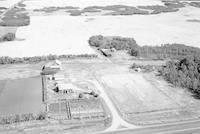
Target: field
145 99
43 38
69 34
137 98
21 96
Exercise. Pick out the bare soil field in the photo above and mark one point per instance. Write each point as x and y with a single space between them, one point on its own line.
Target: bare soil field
146 99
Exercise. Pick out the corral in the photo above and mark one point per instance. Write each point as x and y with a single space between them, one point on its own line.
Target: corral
66 101
81 109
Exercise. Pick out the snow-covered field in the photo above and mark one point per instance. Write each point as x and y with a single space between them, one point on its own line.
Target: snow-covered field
8 3
48 35
34 4
62 34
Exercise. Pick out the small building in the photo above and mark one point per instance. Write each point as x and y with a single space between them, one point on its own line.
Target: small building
51 68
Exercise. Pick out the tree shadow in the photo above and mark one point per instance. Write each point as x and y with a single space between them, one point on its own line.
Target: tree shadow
195 94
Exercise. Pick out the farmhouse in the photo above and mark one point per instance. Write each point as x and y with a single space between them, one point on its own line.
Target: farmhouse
53 65
51 68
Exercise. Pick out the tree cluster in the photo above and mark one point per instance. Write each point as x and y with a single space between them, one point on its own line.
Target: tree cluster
35 59
175 51
184 73
119 43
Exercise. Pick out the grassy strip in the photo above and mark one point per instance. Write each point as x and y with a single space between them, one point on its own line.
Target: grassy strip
35 59
21 118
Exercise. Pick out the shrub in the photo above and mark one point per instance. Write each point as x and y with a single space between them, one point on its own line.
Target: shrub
74 12
22 118
145 68
21 5
8 37
134 52
41 116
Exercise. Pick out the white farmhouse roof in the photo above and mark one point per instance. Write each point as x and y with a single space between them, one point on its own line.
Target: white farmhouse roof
54 64
58 62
